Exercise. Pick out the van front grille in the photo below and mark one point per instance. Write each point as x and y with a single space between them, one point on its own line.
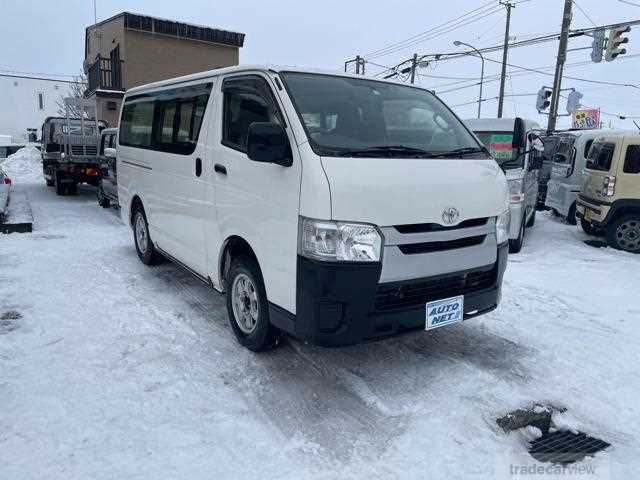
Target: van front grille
91 150
405 295
76 150
429 247
436 227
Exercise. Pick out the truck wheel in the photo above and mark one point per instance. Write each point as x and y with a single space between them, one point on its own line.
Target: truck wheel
571 215
532 220
516 245
50 183
58 183
103 201
590 229
624 233
144 246
72 189
247 306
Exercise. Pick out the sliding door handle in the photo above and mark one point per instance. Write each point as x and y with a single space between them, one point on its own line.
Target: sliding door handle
198 167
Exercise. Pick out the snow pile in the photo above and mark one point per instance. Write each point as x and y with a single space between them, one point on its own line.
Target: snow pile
24 166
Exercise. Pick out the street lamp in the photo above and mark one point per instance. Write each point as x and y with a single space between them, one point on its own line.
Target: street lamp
457 44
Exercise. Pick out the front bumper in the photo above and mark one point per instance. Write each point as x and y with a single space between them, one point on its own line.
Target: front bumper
340 304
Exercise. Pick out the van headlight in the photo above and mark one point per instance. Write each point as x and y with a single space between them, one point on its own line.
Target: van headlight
338 241
516 194
502 227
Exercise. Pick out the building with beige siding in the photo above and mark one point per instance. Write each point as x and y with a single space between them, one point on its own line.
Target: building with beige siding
128 50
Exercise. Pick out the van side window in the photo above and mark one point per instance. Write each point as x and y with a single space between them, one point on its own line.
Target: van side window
247 100
137 122
587 147
171 121
632 159
600 156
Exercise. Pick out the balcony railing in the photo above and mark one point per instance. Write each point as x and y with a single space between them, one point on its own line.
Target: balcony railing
105 74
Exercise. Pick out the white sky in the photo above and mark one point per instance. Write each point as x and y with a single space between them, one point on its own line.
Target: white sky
48 37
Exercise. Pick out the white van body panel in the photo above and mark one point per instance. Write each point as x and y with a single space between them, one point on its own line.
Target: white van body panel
392 192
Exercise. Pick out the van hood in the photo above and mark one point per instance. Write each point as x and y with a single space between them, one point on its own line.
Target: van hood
395 191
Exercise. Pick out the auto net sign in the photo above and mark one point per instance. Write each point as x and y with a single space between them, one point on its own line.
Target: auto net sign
586 118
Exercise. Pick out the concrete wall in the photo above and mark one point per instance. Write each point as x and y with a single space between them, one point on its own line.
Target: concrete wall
19 107
152 57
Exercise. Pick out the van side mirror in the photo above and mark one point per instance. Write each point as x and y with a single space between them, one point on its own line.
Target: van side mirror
110 152
267 142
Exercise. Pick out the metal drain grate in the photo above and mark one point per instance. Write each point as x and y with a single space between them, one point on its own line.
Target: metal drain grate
565 447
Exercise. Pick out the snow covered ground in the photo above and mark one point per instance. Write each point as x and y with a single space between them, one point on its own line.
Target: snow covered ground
110 369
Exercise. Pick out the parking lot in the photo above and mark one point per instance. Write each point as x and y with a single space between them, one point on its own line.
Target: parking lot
111 369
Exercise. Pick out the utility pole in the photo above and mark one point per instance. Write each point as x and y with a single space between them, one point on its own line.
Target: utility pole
562 57
505 52
414 64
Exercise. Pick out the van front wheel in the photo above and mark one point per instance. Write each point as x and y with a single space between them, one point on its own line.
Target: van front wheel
247 306
624 233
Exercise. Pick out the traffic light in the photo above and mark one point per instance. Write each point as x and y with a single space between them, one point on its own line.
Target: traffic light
616 39
573 101
544 99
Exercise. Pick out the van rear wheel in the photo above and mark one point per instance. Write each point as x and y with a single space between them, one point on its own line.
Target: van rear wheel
247 306
624 233
144 246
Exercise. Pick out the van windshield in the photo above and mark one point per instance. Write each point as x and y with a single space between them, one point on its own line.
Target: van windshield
359 117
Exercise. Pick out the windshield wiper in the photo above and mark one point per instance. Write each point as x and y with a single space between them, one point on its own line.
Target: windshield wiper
384 150
461 151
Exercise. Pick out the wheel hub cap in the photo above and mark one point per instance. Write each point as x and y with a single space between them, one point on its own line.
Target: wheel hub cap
244 300
141 234
628 235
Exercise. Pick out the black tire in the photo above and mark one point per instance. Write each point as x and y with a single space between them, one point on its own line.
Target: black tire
146 251
50 183
532 220
590 229
516 245
624 233
103 201
261 335
72 189
571 215
60 190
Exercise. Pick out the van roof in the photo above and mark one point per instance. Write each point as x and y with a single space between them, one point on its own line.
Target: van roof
248 68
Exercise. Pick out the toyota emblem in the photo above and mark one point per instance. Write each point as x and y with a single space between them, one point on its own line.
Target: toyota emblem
450 215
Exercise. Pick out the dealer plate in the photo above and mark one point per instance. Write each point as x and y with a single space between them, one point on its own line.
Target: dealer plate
444 312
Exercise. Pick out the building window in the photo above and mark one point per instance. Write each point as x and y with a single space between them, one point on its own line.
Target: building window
40 100
112 106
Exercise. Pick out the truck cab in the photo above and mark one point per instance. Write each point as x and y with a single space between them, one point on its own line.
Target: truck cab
70 152
510 143
609 200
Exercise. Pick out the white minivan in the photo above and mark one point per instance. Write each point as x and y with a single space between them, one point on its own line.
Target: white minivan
334 208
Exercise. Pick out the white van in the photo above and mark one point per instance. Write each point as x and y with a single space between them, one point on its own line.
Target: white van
334 208
511 141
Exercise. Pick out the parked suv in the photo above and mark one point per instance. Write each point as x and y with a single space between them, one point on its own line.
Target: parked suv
609 201
108 170
510 141
332 207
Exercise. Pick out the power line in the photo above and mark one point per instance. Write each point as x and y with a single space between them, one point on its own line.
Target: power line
586 15
414 37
